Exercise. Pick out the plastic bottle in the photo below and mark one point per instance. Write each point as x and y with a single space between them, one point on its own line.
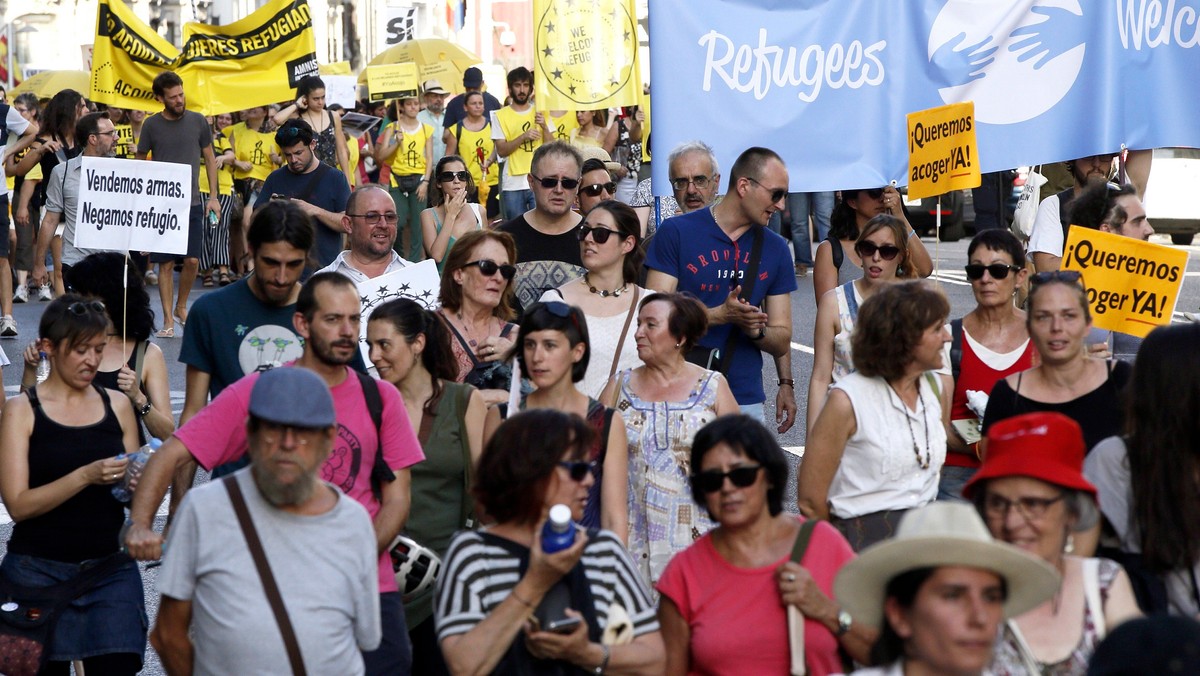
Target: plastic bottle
43 369
137 461
559 531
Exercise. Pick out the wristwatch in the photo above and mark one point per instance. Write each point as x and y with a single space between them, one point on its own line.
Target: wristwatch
599 669
844 621
144 409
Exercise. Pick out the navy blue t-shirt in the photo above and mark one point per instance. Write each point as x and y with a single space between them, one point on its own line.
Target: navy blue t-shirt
456 109
330 193
693 249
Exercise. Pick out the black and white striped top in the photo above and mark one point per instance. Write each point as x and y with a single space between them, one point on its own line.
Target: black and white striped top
477 576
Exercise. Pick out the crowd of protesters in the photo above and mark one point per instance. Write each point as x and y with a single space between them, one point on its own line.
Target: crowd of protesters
998 494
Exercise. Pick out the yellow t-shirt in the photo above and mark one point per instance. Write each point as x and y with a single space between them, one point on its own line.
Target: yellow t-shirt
353 149
126 147
254 147
224 175
563 126
513 124
34 174
409 156
468 144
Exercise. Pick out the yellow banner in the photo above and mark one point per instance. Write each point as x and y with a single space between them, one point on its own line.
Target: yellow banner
255 61
125 58
586 54
942 153
1132 286
393 81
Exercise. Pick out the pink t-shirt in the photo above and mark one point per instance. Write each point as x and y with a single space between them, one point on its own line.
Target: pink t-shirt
217 435
738 625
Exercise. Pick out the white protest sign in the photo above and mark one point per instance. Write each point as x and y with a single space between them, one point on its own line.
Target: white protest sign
133 205
419 282
340 89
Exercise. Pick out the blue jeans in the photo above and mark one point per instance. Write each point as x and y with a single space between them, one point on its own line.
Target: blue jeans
800 206
394 654
756 411
513 203
951 483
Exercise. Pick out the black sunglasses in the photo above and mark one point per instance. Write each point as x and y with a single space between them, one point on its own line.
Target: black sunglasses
596 189
712 480
578 469
599 235
776 194
1068 276
996 270
874 193
447 176
489 267
80 308
867 249
562 311
550 182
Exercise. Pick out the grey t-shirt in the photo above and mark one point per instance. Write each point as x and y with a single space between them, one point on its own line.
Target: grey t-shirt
62 197
179 141
325 567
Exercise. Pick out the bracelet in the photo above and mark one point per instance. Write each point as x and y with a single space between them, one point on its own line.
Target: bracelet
787 381
911 233
520 600
603 660
424 180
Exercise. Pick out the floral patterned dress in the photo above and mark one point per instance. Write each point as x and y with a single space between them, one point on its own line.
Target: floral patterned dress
663 519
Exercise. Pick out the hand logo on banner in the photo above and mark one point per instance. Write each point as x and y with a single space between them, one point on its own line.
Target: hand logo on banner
586 54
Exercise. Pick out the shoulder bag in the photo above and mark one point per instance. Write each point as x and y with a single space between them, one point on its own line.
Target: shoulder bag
794 616
719 358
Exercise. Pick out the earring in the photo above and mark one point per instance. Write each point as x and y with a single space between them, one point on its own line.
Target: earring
1070 548
678 345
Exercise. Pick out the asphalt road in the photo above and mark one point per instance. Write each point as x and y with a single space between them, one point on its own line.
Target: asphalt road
949 259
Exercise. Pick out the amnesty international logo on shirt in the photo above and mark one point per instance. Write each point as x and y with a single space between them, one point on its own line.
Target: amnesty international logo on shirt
586 54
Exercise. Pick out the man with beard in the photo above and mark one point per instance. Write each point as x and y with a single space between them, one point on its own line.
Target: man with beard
327 317
370 220
434 115
181 136
319 189
518 131
214 616
1054 213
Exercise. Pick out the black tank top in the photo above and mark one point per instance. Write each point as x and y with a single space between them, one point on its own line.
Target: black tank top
86 525
108 380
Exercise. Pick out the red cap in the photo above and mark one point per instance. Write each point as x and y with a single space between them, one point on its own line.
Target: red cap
1046 446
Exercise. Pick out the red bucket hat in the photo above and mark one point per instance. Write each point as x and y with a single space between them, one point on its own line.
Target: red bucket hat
1046 446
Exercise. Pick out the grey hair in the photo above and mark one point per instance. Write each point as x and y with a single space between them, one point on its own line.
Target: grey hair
1082 506
688 147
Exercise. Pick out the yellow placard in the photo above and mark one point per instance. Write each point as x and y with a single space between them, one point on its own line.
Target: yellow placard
336 68
255 61
1132 286
586 54
393 81
942 153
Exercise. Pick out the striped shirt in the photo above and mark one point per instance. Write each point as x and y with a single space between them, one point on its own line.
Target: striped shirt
477 576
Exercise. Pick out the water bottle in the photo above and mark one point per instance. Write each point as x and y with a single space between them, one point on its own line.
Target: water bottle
137 461
559 531
43 369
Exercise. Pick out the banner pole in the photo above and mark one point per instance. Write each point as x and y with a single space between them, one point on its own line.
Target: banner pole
937 245
125 306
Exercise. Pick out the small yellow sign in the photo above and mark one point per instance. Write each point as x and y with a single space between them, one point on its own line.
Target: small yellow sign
393 81
942 153
1132 286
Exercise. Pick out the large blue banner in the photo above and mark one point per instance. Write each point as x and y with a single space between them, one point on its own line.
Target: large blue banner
827 83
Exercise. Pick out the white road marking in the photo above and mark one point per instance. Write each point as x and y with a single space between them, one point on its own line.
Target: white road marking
802 348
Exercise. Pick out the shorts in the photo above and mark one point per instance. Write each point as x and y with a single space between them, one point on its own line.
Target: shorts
4 224
195 244
109 618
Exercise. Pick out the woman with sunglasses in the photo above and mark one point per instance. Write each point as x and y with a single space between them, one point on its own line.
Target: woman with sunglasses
987 344
406 145
476 296
882 247
608 293
878 445
62 447
494 580
724 598
411 349
452 212
1067 380
1031 493
666 401
554 354
850 215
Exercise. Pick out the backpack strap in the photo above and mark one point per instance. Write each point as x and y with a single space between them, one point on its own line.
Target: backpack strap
851 299
956 349
380 472
1064 210
835 248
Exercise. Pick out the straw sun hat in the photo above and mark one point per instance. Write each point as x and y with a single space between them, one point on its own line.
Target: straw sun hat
941 534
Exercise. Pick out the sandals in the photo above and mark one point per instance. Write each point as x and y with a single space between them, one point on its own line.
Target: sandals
207 281
165 333
224 279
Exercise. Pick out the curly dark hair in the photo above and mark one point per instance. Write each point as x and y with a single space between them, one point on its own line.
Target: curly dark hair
890 324
747 437
518 461
1097 204
99 275
688 321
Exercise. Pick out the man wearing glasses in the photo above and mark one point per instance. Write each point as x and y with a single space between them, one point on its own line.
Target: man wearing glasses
317 188
709 253
370 220
547 248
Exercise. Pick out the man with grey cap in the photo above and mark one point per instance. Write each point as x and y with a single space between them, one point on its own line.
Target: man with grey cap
434 114
369 462
214 616
456 108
